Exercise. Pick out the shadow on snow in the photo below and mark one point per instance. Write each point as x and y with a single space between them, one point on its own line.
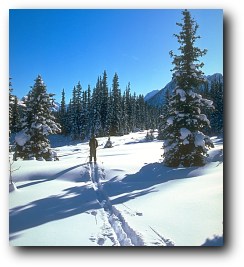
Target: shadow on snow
79 199
45 178
144 180
75 200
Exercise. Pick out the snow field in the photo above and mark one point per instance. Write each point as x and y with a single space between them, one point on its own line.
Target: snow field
128 199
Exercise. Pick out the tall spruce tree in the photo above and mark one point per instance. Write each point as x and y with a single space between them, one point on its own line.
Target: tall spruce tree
96 109
11 104
76 112
36 124
62 115
186 144
128 106
217 116
162 117
104 104
89 112
15 115
116 107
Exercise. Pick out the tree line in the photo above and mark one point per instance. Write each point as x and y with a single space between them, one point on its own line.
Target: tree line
100 111
105 112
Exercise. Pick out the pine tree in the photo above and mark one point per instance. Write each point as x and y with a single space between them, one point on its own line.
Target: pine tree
11 104
104 104
124 117
96 109
62 114
128 106
116 107
84 116
76 112
134 112
163 116
185 143
89 112
37 123
15 115
79 112
216 117
69 118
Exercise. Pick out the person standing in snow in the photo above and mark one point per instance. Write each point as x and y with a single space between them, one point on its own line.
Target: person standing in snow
93 144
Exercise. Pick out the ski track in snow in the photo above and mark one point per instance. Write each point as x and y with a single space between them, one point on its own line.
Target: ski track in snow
124 234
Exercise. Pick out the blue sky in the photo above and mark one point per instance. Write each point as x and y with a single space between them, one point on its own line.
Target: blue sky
65 46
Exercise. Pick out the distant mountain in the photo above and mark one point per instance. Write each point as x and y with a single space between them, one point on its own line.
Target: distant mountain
150 95
214 77
158 99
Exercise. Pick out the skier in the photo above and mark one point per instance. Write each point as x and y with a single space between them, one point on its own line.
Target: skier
108 143
93 146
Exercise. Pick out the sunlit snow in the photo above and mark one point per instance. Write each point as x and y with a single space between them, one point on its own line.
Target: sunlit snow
128 199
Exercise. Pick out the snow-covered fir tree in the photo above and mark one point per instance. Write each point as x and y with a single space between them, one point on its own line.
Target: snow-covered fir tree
76 112
116 107
96 109
215 92
163 119
36 124
11 104
128 106
124 116
185 143
104 104
62 115
84 116
217 116
89 113
16 111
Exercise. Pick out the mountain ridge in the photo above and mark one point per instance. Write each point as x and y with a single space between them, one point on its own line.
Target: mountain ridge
158 99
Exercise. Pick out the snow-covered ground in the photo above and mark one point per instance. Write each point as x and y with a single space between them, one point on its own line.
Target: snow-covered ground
127 199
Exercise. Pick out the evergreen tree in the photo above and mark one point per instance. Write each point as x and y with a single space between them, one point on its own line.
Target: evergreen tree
79 112
76 112
96 109
163 116
84 116
104 104
128 106
124 116
89 113
109 116
134 112
185 143
62 114
11 104
15 115
69 118
37 123
116 107
217 116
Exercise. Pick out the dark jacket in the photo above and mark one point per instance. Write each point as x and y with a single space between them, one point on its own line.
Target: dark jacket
93 144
